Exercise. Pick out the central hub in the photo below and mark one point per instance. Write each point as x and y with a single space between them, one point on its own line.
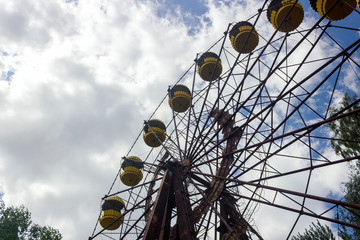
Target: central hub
185 166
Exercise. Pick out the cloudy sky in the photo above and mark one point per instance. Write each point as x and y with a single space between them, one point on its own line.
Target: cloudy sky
77 80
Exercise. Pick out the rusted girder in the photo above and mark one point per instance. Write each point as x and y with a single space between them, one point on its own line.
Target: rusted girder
233 134
233 217
172 194
185 221
158 226
151 187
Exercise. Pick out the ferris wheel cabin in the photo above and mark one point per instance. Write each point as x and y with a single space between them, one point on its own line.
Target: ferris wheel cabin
334 9
209 66
179 98
284 15
112 218
244 37
132 174
154 133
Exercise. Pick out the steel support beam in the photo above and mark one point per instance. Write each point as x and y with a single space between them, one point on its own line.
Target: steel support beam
158 226
185 222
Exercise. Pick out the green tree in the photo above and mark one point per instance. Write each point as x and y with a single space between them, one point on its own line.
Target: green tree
16 224
346 143
347 129
316 232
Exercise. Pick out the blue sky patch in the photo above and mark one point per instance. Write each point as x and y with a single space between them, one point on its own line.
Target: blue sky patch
72 1
9 76
195 7
191 12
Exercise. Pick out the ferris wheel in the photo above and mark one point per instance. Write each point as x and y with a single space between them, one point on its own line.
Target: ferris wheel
240 142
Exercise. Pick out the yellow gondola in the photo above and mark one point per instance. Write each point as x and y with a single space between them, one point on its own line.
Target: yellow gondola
179 98
209 66
154 133
132 174
278 14
239 35
112 218
341 9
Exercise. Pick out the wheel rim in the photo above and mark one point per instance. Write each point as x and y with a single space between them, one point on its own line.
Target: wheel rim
272 139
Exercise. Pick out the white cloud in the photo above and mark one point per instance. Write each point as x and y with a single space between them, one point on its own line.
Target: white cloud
86 75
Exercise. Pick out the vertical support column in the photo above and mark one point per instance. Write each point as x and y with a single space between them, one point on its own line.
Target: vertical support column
185 221
158 226
233 218
223 212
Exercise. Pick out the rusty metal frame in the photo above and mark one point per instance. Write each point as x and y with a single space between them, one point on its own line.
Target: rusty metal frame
158 226
172 194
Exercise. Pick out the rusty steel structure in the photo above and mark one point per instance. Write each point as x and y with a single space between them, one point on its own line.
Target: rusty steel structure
253 150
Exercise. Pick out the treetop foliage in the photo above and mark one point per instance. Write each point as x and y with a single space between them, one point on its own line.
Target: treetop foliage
347 130
316 232
16 224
